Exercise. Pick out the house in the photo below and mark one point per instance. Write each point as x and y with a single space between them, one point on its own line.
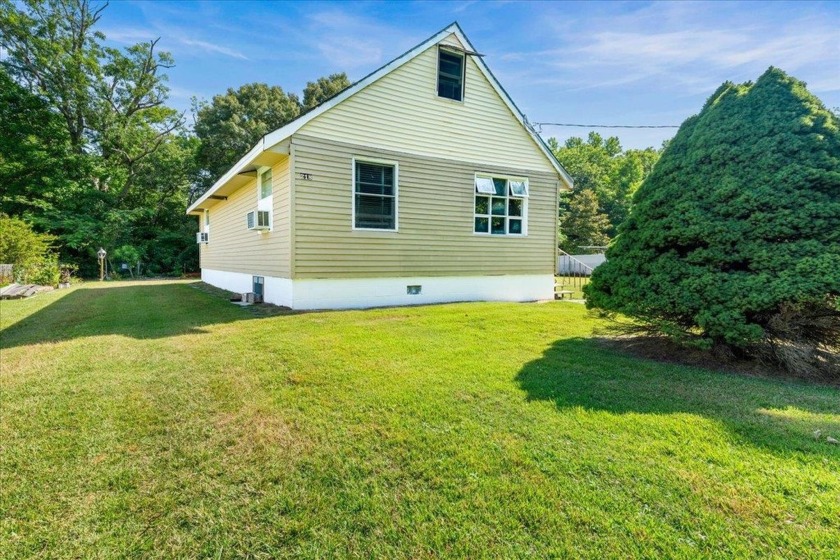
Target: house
420 183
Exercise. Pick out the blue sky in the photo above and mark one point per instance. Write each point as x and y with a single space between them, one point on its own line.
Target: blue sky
636 63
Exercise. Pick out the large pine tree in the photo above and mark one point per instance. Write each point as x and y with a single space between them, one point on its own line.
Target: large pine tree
735 236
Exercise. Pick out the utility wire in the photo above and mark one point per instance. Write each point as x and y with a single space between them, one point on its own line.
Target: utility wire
539 125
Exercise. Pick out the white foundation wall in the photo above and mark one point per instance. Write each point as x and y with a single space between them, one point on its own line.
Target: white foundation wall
351 293
276 290
355 293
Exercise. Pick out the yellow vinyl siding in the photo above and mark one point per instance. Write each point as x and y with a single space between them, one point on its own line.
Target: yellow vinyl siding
436 213
235 248
452 41
402 112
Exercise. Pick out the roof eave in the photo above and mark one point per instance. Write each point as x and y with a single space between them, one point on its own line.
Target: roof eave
273 138
252 154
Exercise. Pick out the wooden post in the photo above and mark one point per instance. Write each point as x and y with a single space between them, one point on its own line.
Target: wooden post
101 254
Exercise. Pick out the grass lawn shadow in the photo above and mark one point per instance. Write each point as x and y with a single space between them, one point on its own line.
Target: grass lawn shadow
778 415
104 309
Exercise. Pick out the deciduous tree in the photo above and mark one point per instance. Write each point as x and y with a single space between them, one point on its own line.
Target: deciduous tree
84 153
231 123
611 173
322 89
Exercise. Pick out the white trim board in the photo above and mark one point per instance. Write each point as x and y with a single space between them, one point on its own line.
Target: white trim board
271 139
360 293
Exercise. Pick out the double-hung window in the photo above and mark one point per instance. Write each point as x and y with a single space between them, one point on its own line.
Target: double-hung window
501 205
451 74
265 198
374 195
266 187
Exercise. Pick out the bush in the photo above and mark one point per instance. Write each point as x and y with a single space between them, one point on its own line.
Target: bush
66 272
30 253
45 272
734 240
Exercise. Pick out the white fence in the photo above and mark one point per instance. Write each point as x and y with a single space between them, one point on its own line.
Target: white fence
570 265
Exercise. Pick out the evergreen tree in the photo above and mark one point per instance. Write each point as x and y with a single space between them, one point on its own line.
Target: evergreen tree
583 224
734 238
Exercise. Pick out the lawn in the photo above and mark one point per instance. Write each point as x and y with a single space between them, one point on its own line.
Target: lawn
157 420
573 284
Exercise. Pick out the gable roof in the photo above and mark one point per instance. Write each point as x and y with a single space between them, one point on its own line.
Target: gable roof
273 138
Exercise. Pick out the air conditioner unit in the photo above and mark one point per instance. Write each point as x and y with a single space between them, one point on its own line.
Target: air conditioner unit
259 219
202 237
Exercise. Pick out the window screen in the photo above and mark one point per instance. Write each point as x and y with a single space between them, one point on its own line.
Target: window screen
375 196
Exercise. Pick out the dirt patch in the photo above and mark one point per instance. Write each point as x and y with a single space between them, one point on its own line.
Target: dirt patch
666 351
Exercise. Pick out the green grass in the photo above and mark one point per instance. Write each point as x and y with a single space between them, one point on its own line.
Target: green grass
571 283
156 420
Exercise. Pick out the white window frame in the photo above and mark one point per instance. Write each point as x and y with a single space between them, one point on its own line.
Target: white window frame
265 204
206 221
463 55
374 161
507 197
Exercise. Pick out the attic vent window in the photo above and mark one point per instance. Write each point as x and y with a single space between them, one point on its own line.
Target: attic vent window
450 74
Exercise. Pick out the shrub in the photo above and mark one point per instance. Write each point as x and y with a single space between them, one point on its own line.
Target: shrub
734 240
29 252
66 272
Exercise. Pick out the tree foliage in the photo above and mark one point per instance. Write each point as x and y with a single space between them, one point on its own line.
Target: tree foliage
85 154
322 89
601 165
734 238
30 253
231 123
38 167
584 226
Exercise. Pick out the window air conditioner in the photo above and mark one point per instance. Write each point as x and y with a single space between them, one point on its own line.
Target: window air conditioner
259 219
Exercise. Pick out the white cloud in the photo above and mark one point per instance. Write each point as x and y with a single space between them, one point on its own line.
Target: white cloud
350 53
127 35
351 42
211 47
173 39
684 46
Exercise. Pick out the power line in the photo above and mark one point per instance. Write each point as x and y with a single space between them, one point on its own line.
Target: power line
539 125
